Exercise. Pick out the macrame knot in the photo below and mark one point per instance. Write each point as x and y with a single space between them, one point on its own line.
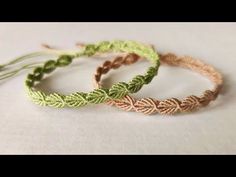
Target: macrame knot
146 106
169 106
190 103
64 60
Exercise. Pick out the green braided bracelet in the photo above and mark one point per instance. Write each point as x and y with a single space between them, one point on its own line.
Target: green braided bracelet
101 95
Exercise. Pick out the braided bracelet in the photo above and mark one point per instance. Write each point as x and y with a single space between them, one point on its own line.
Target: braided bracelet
99 95
168 106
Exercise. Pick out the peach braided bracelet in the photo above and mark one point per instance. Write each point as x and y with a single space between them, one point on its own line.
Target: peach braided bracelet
168 106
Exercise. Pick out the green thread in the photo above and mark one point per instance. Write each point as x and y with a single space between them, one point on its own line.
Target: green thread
136 83
11 73
98 96
8 70
119 90
101 95
77 99
55 100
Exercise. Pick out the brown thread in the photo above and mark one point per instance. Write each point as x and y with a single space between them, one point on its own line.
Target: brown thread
168 106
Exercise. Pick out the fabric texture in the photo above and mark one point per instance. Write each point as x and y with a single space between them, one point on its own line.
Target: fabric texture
26 128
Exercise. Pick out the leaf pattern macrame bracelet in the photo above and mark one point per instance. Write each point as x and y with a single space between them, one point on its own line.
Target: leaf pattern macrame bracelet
168 106
99 95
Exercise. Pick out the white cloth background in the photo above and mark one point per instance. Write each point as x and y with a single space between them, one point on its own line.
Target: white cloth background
26 128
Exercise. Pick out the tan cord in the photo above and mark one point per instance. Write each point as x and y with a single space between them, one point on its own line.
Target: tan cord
168 106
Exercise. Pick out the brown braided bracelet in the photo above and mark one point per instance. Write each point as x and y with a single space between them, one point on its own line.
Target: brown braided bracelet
168 106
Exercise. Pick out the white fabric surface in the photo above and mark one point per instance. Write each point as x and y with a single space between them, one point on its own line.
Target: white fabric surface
26 128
